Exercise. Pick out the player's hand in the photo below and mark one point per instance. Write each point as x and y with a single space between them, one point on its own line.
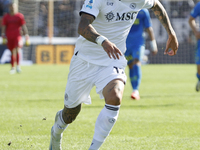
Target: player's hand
4 40
197 35
153 47
27 42
111 49
154 52
172 43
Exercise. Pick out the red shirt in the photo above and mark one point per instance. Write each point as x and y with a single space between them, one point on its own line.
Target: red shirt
13 24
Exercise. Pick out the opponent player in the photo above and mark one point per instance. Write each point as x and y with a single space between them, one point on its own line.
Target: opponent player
98 60
135 47
12 23
192 22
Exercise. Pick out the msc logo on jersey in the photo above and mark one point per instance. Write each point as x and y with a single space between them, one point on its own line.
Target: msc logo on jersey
132 5
89 5
110 16
121 17
126 16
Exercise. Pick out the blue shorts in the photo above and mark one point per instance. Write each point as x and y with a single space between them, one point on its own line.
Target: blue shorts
135 52
197 53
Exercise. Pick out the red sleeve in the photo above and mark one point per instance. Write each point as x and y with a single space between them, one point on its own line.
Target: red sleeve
22 20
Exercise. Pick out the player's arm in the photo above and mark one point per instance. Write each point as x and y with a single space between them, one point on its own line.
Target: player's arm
153 44
193 26
172 41
24 28
3 34
3 29
86 29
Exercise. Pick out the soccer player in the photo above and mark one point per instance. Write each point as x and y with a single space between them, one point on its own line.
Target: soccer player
192 22
99 61
12 25
135 47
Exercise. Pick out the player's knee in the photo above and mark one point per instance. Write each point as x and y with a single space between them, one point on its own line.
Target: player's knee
69 118
114 99
13 52
134 62
113 92
70 114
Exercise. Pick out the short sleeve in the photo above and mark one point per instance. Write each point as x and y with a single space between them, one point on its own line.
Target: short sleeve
147 19
149 4
91 7
196 11
22 20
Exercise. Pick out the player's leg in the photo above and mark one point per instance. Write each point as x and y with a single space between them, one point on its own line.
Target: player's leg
108 116
131 62
198 71
13 61
197 60
77 92
18 60
19 45
112 93
62 119
135 74
11 47
198 77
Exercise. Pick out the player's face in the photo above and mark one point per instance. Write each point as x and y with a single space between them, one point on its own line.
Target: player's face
12 7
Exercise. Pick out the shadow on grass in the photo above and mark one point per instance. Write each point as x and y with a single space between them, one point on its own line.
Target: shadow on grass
163 95
149 106
133 106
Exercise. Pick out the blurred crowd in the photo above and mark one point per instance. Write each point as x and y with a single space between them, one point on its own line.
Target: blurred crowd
64 20
66 15
3 7
178 9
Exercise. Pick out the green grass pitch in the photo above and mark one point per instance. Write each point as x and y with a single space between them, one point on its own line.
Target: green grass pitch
166 118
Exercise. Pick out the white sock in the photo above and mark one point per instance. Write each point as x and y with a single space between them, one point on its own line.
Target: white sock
104 123
59 125
95 145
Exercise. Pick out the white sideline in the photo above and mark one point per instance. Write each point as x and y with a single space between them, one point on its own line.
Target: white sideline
35 40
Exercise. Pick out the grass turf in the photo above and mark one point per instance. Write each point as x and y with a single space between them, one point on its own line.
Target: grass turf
166 118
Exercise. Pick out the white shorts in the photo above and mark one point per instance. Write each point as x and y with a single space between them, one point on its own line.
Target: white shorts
83 76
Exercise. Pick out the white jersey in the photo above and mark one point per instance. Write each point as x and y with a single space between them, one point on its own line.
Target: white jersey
113 19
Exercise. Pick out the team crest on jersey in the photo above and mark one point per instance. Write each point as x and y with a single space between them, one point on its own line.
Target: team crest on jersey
111 120
132 5
110 16
89 5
